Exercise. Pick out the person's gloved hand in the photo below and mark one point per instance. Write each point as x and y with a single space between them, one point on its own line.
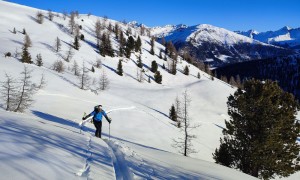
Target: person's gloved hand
109 120
83 118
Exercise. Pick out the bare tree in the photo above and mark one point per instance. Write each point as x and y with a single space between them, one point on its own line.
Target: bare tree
57 44
84 78
39 17
77 30
184 143
140 74
98 63
27 89
69 54
103 81
17 54
42 83
8 91
98 26
178 111
72 22
27 41
58 66
65 14
75 68
50 15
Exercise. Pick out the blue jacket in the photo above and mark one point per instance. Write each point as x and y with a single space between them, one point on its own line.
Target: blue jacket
98 116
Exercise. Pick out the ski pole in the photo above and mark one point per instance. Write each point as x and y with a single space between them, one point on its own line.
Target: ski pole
109 132
84 114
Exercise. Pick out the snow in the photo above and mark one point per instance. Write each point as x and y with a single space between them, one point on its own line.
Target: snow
50 141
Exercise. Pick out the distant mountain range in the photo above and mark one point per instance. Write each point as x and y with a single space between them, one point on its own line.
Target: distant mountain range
284 37
219 46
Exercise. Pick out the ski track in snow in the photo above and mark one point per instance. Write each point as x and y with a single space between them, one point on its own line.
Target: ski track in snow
121 169
84 171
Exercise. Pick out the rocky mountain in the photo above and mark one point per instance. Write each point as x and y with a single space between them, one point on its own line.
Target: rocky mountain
218 46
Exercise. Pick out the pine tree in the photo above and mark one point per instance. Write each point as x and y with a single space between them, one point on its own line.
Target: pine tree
139 62
157 77
76 43
14 31
260 137
138 45
154 66
26 57
93 69
120 68
173 114
39 60
186 70
198 75
152 46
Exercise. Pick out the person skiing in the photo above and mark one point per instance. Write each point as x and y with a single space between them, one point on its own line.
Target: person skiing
97 114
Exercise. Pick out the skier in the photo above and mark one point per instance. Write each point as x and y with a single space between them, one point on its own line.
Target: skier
97 114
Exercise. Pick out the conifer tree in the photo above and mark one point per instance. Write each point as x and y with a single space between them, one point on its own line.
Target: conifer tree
152 45
139 62
157 77
120 68
154 66
26 57
138 45
198 75
186 70
173 114
130 43
260 137
76 43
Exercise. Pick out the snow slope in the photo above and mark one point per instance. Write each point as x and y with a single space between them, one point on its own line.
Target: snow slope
46 142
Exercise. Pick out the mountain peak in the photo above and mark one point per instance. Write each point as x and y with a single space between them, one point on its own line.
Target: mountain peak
286 28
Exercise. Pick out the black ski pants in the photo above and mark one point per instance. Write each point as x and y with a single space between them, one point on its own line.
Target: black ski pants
98 126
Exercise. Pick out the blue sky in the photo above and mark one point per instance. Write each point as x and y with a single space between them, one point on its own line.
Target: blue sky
261 15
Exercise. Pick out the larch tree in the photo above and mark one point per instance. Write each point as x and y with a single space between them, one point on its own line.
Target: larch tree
184 143
84 78
8 91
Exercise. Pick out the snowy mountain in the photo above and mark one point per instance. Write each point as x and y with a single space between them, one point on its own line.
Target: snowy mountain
50 140
217 45
285 37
